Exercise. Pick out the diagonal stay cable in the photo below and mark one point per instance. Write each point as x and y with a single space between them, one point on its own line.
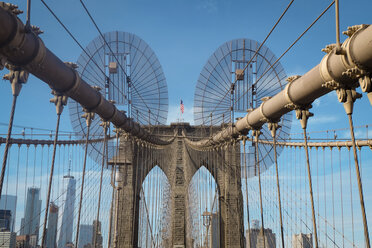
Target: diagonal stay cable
285 52
113 54
78 43
258 49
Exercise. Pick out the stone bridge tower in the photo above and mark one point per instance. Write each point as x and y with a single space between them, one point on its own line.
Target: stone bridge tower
179 161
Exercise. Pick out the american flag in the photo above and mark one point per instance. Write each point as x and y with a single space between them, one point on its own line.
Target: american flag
182 107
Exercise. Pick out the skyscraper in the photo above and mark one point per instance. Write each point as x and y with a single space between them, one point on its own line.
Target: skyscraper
7 239
257 239
214 231
97 235
5 220
85 235
51 238
66 226
31 222
302 240
9 202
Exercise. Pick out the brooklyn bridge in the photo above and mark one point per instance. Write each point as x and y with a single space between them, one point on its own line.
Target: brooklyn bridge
267 159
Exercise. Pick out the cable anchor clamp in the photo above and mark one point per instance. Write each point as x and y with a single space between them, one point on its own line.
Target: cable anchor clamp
59 100
17 77
88 116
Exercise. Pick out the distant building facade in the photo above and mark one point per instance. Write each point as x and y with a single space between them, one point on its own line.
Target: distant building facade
214 231
85 235
5 220
31 222
65 230
302 240
23 241
97 235
9 202
257 238
7 239
51 238
33 241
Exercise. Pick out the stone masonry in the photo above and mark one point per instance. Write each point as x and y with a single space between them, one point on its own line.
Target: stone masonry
180 162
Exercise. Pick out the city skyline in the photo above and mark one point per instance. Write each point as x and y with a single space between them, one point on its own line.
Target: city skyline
184 34
30 223
65 229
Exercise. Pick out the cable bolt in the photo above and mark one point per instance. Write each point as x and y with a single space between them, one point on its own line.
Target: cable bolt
72 65
353 29
13 8
36 30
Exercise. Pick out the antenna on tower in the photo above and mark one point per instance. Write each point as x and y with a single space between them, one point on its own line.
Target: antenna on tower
69 167
69 170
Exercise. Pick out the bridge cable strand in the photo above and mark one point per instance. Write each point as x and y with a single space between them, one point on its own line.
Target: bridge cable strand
119 132
113 170
273 127
246 190
347 96
337 17
60 101
289 48
351 196
116 212
39 213
79 44
256 134
360 187
17 76
251 59
135 145
89 116
105 126
303 114
341 196
115 57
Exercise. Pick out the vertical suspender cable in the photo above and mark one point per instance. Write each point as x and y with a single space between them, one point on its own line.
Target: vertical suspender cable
17 77
273 128
113 191
347 96
360 187
89 116
303 115
256 133
50 182
351 196
341 198
338 44
7 144
59 100
311 190
246 192
136 193
105 127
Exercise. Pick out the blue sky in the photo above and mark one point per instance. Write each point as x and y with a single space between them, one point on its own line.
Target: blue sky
183 34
